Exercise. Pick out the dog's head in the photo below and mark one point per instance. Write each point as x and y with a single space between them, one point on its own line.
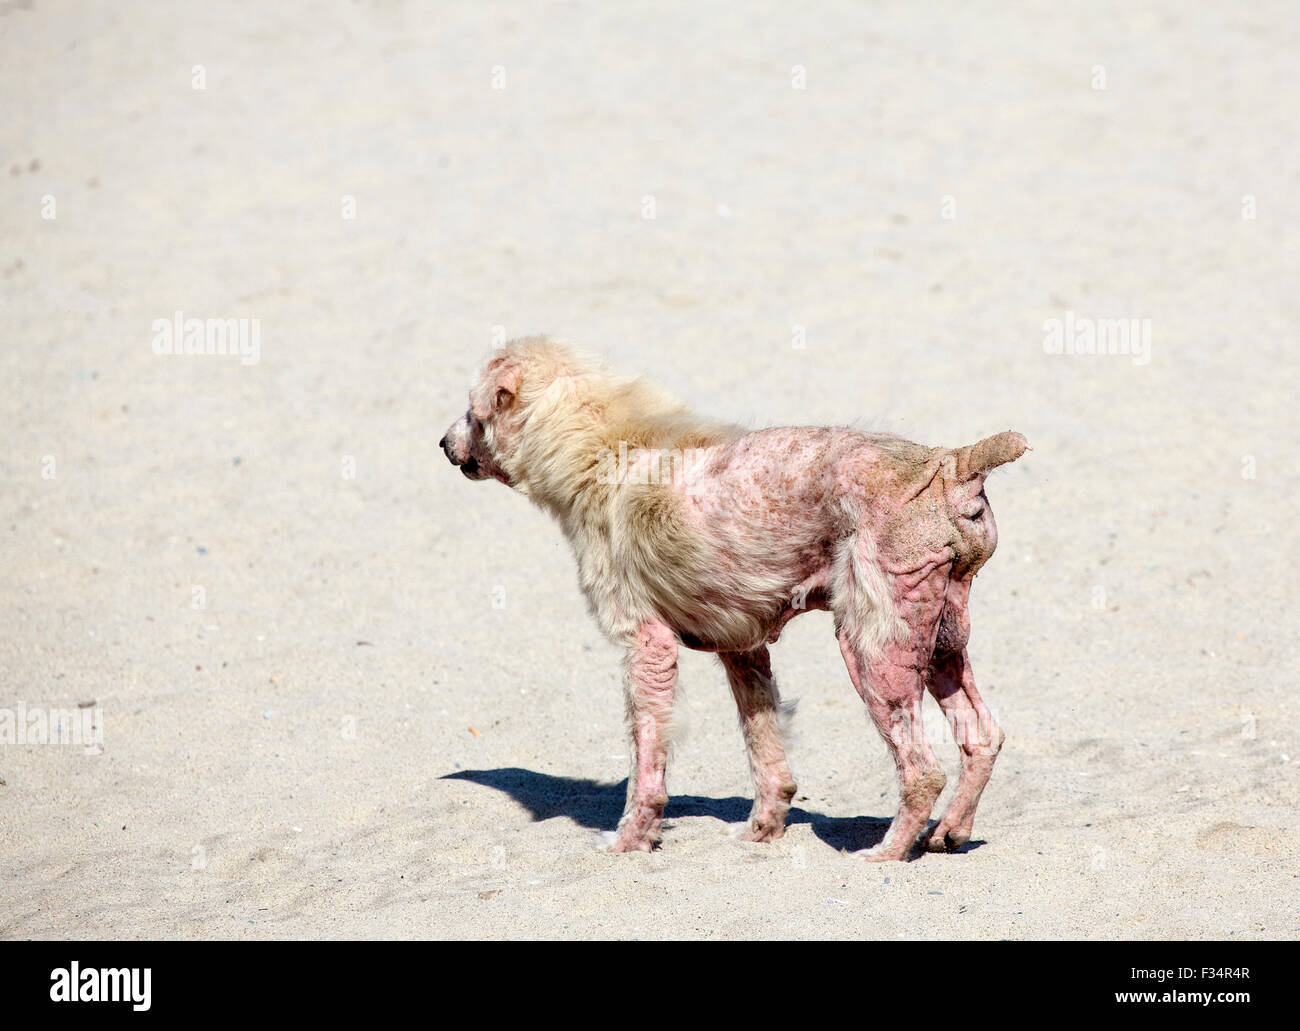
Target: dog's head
485 442
472 442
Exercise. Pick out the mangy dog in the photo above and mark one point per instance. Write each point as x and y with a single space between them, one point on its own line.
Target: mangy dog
697 533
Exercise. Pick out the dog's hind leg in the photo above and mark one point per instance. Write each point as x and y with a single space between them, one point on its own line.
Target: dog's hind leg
977 735
886 630
892 686
650 682
761 719
887 633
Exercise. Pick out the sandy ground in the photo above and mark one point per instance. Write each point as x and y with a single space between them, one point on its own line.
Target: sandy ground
287 660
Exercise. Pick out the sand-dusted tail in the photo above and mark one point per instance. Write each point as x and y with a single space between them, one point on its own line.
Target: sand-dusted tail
697 533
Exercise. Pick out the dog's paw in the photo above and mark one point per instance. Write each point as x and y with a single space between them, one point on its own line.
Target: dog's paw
877 854
756 830
616 842
946 840
605 841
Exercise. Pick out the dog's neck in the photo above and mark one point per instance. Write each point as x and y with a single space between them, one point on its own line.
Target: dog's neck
559 466
582 443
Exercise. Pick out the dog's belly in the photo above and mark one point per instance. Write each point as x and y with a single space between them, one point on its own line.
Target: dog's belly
699 644
735 637
766 631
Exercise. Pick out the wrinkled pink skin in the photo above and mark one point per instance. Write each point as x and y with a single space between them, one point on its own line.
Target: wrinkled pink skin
782 485
787 488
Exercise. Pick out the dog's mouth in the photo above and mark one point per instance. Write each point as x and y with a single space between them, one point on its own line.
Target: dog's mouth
470 468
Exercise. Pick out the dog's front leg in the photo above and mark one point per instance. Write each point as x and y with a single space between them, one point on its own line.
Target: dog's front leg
761 719
978 735
650 682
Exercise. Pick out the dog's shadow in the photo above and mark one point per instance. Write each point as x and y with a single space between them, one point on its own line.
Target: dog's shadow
599 806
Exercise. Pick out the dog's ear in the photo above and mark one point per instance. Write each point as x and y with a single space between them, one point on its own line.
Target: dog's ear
499 391
505 395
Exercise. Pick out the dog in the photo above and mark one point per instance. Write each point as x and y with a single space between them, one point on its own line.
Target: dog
699 533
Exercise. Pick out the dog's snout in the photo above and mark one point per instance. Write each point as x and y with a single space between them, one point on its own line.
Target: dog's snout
453 446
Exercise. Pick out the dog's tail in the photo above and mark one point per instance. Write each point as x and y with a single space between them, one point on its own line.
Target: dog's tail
975 461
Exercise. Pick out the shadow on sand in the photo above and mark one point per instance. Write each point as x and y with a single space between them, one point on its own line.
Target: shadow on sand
598 806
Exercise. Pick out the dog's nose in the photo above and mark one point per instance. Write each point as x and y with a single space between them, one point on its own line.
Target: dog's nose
443 443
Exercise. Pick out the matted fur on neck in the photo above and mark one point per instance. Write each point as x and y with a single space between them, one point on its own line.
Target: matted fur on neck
572 414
